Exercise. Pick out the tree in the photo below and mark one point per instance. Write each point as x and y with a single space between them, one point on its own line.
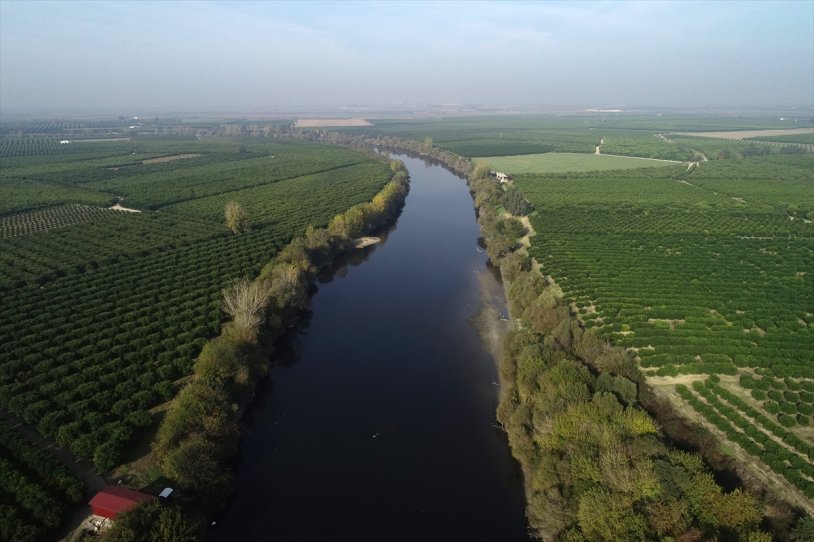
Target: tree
194 465
236 219
153 521
482 170
245 301
427 145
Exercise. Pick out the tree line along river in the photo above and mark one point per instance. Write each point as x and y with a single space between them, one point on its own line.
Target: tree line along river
378 422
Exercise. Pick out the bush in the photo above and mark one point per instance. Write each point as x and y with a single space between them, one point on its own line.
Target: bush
787 421
788 408
759 395
154 521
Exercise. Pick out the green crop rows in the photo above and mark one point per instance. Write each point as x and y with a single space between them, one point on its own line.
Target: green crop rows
803 139
784 452
706 270
23 194
42 256
268 203
101 318
51 218
624 134
699 272
38 483
11 148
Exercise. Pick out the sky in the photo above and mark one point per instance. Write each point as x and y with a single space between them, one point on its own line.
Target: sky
241 56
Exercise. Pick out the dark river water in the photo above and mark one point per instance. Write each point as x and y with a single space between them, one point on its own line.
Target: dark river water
380 424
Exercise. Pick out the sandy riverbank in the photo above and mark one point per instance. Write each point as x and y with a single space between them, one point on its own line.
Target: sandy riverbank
487 319
363 242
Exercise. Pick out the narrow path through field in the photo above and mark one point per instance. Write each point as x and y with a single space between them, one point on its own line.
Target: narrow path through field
81 469
643 158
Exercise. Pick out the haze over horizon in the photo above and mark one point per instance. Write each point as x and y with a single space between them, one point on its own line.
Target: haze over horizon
239 56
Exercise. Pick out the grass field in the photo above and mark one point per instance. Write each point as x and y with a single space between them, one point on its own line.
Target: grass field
556 162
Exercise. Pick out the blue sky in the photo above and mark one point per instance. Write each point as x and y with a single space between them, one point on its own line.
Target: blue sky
196 55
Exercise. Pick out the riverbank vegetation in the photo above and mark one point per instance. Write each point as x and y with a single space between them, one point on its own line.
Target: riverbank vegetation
105 312
694 269
200 431
596 464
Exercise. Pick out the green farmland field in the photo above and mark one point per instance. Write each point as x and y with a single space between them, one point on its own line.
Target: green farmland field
104 311
699 272
562 162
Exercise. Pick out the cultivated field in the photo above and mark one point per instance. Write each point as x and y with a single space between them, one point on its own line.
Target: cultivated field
330 123
750 134
623 134
555 162
700 272
104 311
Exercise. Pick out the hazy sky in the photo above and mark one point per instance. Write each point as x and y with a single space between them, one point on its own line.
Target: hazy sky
195 55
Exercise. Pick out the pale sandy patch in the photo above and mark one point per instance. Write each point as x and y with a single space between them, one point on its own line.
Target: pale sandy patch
170 158
101 139
363 242
330 123
746 134
118 207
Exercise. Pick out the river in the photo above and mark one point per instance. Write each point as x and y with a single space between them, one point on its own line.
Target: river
380 422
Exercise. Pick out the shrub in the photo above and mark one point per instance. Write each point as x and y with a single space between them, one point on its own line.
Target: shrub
787 421
759 395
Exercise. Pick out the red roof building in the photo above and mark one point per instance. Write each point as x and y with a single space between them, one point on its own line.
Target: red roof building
113 500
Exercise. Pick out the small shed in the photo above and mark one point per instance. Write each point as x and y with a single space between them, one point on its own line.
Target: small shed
113 500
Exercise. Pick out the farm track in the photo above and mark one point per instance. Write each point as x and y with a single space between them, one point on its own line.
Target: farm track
81 469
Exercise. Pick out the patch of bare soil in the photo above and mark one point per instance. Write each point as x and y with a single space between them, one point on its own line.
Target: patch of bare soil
746 134
170 158
489 321
671 323
330 123
118 207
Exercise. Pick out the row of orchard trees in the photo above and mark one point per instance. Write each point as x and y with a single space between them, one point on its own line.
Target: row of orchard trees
37 490
200 431
596 465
